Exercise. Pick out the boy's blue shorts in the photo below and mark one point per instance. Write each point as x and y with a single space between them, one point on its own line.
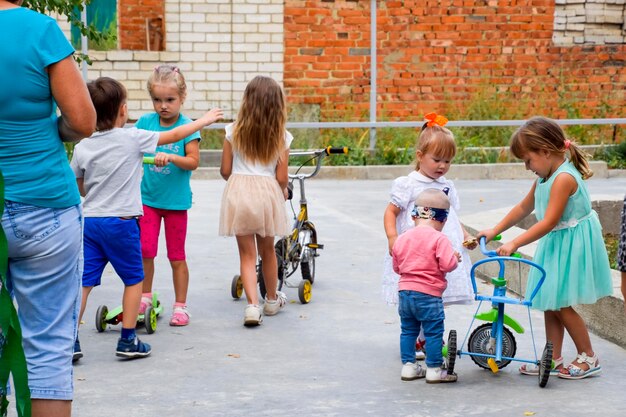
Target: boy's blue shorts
115 240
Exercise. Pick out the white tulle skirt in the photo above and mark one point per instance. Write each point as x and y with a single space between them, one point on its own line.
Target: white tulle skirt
253 204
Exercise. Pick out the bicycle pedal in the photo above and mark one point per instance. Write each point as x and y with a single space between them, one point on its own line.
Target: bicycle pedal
493 365
315 246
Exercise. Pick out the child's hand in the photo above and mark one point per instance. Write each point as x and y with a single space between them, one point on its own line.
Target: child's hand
489 234
212 116
470 242
507 249
161 159
458 256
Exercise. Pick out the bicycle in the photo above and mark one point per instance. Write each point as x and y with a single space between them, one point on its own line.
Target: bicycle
492 344
299 248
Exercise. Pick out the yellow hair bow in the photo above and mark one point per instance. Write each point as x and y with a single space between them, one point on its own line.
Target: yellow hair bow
435 119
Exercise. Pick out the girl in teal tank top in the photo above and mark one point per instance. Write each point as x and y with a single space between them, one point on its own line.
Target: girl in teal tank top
570 248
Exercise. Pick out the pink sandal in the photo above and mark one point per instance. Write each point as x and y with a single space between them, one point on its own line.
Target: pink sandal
146 301
180 316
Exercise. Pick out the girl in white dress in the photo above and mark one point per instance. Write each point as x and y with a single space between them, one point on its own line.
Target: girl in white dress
435 150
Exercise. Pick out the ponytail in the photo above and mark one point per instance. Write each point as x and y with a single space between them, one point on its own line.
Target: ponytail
579 159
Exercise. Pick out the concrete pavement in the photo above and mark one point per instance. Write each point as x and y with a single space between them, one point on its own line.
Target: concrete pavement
338 355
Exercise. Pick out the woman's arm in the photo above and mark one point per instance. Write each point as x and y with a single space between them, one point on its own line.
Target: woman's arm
226 167
189 162
78 116
563 187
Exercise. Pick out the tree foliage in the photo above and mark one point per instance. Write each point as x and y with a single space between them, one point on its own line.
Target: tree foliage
71 9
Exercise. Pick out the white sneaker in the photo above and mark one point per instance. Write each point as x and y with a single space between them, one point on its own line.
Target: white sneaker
438 375
420 355
252 315
412 371
272 307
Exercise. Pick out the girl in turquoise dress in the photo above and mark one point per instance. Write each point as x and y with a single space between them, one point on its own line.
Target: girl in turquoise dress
570 249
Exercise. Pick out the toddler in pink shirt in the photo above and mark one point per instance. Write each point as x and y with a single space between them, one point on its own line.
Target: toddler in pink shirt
422 256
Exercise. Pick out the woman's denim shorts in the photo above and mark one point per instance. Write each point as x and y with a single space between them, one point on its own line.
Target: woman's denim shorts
45 270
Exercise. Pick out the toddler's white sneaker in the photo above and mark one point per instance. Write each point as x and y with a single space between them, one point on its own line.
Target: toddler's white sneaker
439 375
412 371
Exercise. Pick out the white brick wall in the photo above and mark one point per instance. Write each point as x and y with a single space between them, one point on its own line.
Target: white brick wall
591 22
218 45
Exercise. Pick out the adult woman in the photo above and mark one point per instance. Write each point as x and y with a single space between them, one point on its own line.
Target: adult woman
42 216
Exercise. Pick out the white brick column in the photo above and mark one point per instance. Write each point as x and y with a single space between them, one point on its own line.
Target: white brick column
218 45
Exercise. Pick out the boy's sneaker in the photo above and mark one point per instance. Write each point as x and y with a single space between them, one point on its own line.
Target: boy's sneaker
132 348
439 375
78 353
412 371
252 315
274 306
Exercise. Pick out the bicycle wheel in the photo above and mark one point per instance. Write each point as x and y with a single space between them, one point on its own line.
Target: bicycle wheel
236 287
480 342
260 279
280 248
545 365
307 264
304 291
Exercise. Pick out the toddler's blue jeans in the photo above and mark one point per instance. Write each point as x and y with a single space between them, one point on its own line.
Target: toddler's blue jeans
45 270
419 310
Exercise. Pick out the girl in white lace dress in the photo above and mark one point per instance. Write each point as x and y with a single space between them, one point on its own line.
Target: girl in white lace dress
434 153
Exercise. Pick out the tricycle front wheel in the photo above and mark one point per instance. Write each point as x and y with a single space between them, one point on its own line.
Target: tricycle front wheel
480 342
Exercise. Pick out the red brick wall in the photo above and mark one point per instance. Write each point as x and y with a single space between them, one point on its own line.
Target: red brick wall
434 54
132 16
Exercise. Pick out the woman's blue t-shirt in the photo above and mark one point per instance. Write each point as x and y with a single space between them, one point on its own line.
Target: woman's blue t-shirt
32 156
166 187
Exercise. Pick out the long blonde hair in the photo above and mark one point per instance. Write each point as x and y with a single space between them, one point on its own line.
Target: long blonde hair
543 134
259 131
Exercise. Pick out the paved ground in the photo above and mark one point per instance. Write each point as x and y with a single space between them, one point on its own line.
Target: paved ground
338 355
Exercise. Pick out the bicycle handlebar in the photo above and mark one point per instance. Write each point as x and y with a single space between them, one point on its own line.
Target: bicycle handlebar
343 150
316 154
482 241
148 160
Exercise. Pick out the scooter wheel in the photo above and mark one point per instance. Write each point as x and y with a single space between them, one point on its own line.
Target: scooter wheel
150 320
101 317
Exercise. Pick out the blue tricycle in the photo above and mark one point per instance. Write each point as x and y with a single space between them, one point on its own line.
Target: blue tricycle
492 345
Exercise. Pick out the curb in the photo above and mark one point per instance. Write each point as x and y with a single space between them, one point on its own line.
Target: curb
504 171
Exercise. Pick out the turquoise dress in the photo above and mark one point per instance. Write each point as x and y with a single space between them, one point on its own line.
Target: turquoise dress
573 253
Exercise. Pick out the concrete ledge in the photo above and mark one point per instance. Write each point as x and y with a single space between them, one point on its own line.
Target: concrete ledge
605 318
505 171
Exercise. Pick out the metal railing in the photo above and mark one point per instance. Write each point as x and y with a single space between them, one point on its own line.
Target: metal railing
457 123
